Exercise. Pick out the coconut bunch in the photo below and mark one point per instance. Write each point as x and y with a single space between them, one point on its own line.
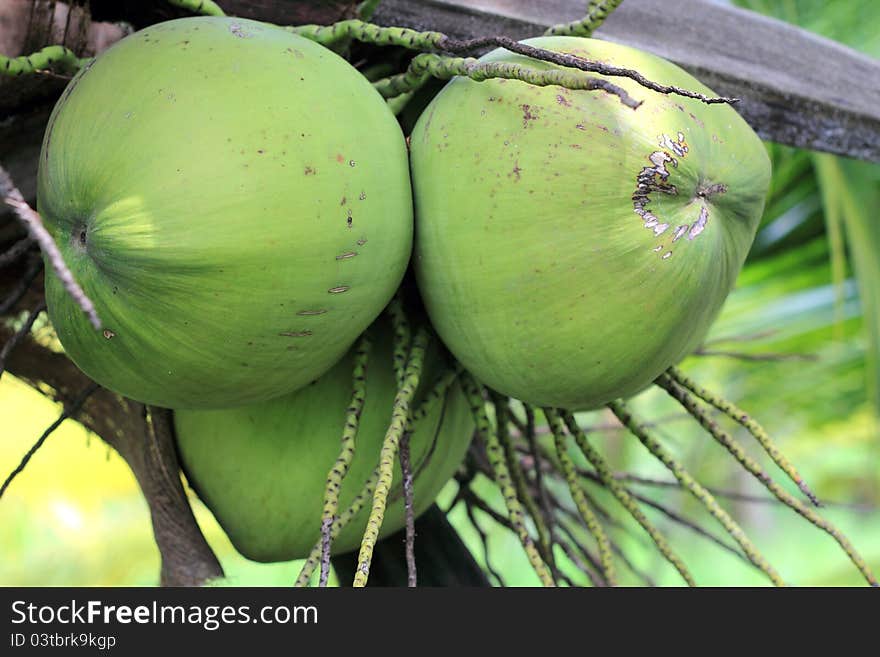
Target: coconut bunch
333 315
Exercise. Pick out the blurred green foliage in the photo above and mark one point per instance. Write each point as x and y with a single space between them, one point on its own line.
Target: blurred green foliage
810 290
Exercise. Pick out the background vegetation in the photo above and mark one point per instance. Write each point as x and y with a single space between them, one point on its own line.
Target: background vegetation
810 292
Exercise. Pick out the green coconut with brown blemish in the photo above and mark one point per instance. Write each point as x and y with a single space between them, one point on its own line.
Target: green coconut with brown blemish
570 249
235 199
262 468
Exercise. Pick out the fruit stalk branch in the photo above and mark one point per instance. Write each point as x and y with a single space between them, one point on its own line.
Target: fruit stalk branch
744 419
622 412
314 558
574 62
623 496
366 492
387 456
329 35
402 337
346 454
42 60
689 401
31 220
591 477
583 506
488 436
503 417
425 66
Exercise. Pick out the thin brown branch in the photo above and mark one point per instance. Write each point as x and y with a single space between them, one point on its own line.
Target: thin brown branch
406 469
34 224
69 411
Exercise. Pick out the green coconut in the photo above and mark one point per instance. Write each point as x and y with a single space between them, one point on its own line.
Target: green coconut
235 200
570 249
262 468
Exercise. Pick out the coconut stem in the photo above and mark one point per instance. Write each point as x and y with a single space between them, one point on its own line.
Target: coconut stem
314 558
606 476
445 68
690 403
741 417
387 456
580 500
40 61
369 486
202 7
402 337
502 420
330 35
622 412
474 393
346 454
402 340
597 12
